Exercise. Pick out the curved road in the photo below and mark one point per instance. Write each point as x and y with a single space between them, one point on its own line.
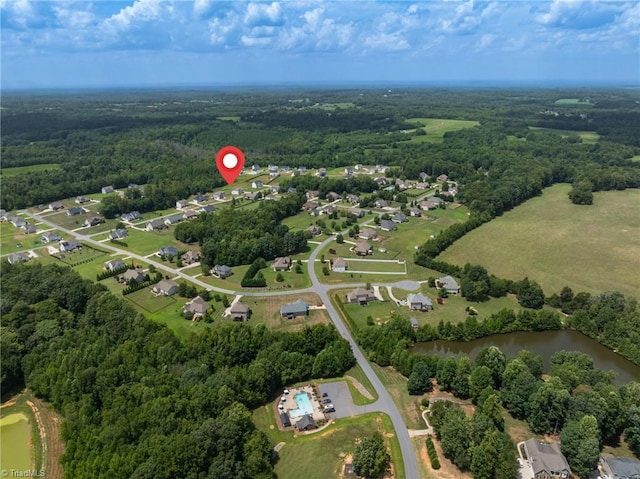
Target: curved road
384 403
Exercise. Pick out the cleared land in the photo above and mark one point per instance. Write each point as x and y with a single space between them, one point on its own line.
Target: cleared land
588 248
266 310
572 102
437 127
587 136
23 170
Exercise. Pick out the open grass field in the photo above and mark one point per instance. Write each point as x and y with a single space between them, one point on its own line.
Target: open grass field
15 437
572 102
635 158
396 384
266 310
587 136
148 242
592 248
437 127
322 455
23 170
10 237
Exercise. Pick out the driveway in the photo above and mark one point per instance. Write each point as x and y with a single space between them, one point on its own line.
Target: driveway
341 399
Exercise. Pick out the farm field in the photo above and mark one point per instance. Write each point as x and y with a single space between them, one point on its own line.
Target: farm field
23 170
572 102
437 127
15 434
592 248
587 136
321 455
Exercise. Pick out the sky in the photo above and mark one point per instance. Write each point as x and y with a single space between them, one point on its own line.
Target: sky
103 43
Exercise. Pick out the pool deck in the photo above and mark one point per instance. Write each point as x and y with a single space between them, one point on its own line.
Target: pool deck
291 405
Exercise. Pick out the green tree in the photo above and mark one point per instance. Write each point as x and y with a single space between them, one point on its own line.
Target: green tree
548 407
339 238
582 193
279 277
580 444
530 294
370 458
419 380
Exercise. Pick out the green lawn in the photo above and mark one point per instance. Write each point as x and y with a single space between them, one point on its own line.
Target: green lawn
587 136
10 237
396 384
635 158
375 267
592 248
572 102
266 310
23 170
321 455
437 127
147 242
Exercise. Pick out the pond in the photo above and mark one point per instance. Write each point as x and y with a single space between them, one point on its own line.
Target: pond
15 437
544 343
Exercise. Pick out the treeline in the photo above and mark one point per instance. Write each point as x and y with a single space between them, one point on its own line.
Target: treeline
355 185
234 236
136 401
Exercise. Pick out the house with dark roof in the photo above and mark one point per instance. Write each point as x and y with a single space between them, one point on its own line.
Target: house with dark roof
199 198
29 229
118 234
135 274
75 211
93 221
50 237
165 288
114 264
237 191
305 423
294 310
284 419
207 209
256 184
432 203
619 467
353 199
399 218
155 225
81 200
197 307
381 203
107 190
173 220
388 225
361 296
282 264
189 215
222 271
218 195
70 245
251 196
190 257
322 172
419 302
132 216
168 251
449 284
546 460
240 311
18 222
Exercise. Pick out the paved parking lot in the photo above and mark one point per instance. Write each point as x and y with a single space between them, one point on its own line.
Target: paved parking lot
341 399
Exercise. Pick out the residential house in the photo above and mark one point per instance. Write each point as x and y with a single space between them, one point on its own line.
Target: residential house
415 212
256 184
314 230
414 323
107 190
50 237
118 234
199 198
197 307
546 460
274 174
294 310
29 229
367 234
240 311
359 167
14 258
190 257
309 205
165 288
285 169
181 204
402 185
450 193
255 168
361 296
81 200
251 196
423 176
362 248
381 203
56 206
237 191
357 212
222 271
133 186
387 225
173 220
134 275
313 194
419 302
75 211
155 225
18 222
381 169
432 203
399 218
619 467
422 186
168 252
328 209
218 195
339 265
353 199
302 169
282 264
272 168
381 181
189 215
275 188
305 423
291 190
444 178
332 196
114 264
130 217
93 221
348 172
449 284
70 245
322 172
207 209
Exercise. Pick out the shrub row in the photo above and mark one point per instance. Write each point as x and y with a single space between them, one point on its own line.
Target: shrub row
253 278
433 455
132 288
108 274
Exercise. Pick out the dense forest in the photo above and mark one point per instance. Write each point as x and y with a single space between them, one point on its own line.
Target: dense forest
137 402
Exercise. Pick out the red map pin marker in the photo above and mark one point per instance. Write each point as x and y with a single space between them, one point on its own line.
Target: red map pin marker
230 162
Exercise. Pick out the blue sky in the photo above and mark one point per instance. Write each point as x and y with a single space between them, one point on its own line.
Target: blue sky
160 42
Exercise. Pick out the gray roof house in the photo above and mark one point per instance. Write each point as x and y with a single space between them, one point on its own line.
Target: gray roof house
17 258
207 209
93 221
76 210
357 212
240 311
284 419
361 295
295 309
222 271
189 215
118 234
218 195
546 460
132 216
50 237
81 199
399 218
449 284
136 275
197 307
415 212
114 264
107 189
155 225
172 220
367 233
168 251
29 229
56 206
387 225
414 323
419 302
619 467
305 423
181 204
165 288
70 245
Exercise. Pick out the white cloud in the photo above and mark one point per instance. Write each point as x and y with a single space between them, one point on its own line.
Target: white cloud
140 11
263 14
386 42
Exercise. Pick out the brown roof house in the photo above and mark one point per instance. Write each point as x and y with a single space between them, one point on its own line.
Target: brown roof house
282 264
546 460
190 257
136 275
196 308
339 265
361 295
240 312
165 288
362 248
367 233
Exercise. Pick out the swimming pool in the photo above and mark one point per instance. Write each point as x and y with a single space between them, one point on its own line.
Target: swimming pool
304 405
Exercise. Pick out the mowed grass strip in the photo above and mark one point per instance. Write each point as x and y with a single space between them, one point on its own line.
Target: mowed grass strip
592 248
23 170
